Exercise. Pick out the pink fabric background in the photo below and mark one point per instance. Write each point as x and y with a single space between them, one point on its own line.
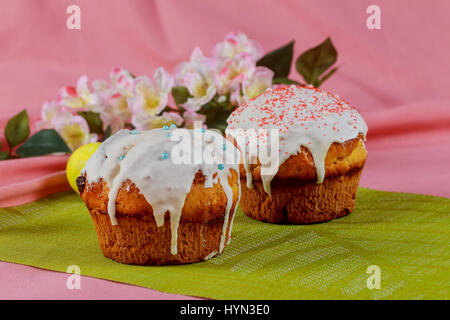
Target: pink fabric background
398 78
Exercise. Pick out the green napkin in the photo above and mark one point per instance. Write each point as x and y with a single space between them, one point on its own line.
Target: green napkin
404 236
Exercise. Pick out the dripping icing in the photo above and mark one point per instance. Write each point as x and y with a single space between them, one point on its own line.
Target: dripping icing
164 184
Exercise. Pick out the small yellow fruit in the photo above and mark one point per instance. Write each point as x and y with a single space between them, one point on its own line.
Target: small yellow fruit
77 162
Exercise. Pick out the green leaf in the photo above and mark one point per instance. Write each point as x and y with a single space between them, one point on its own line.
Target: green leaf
4 156
314 62
169 109
107 133
216 117
17 129
283 80
279 60
180 94
93 120
325 77
41 143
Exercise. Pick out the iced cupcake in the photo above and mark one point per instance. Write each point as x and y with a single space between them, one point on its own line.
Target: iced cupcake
317 141
153 202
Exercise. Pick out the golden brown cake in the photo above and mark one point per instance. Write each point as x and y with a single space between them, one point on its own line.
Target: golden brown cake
149 210
318 159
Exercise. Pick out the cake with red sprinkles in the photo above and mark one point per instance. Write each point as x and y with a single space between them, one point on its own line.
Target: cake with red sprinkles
302 155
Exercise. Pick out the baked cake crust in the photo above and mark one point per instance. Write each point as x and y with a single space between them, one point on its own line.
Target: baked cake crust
297 198
341 158
136 239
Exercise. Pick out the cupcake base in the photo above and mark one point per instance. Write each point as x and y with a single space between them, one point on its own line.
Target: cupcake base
137 240
296 202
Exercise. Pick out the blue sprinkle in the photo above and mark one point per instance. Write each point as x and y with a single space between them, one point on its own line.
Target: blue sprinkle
168 134
173 126
165 127
164 155
203 130
134 131
121 157
221 166
224 147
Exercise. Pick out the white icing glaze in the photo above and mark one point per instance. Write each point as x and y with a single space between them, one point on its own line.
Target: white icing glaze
146 159
304 116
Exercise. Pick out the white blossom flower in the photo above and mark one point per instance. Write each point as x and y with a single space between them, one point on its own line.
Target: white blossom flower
198 75
202 88
48 111
257 83
236 95
191 66
113 109
171 117
73 129
150 96
152 122
235 43
231 72
121 80
80 97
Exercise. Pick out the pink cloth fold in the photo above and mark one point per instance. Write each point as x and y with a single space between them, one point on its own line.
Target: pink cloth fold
33 189
397 77
28 179
31 179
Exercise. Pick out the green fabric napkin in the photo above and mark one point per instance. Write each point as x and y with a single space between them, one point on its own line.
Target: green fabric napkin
406 236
